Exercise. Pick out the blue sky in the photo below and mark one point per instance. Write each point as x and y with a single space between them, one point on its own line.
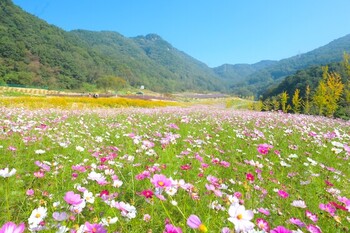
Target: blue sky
214 32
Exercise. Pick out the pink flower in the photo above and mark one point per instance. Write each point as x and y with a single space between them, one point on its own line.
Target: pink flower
94 228
169 228
30 192
11 227
283 194
280 229
328 207
262 224
72 198
264 148
264 211
313 229
297 222
160 181
311 216
195 223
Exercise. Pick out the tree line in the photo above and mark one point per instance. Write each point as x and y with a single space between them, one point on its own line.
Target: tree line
323 90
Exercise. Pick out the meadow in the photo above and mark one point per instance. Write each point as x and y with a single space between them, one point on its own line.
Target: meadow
171 169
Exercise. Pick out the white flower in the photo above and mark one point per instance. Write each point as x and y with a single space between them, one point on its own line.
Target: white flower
6 173
299 203
174 203
88 197
79 148
39 152
241 217
37 216
117 183
62 229
284 164
107 221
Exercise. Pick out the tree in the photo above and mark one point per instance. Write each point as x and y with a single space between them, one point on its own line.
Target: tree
328 93
110 82
284 100
297 101
334 92
307 100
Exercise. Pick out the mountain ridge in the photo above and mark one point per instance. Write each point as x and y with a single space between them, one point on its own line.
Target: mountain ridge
33 52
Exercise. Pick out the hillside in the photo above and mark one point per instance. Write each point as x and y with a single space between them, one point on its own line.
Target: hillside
257 82
32 52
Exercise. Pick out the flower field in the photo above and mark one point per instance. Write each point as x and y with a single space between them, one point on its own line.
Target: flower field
172 169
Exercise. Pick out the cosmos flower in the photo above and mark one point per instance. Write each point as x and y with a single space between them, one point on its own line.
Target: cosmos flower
280 229
11 227
299 203
169 228
160 181
7 173
72 198
241 217
195 223
262 224
283 193
94 228
37 216
264 148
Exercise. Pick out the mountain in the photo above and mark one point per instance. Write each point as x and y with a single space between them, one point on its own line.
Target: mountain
260 80
239 72
32 52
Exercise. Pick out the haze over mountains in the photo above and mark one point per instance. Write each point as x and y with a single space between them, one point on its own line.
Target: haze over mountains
32 52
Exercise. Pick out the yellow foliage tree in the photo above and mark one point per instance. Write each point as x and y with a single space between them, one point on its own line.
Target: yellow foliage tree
328 93
284 99
297 101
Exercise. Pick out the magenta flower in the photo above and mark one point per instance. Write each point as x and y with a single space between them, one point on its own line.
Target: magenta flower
313 229
264 148
147 193
160 181
195 223
94 228
72 198
11 227
280 229
250 177
169 228
283 194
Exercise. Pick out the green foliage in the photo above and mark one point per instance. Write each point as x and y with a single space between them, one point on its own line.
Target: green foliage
34 52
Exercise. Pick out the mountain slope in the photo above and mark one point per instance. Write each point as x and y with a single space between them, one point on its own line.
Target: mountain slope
260 80
33 52
238 72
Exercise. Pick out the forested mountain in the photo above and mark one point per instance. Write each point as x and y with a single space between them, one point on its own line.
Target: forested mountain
259 81
32 52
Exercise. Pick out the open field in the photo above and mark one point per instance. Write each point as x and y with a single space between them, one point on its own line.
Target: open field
102 169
